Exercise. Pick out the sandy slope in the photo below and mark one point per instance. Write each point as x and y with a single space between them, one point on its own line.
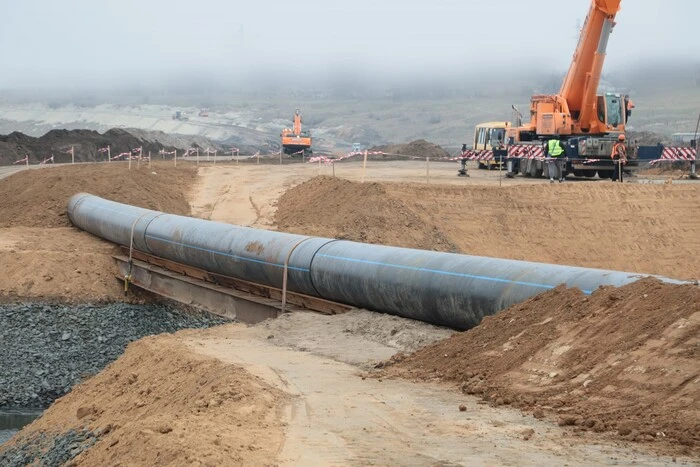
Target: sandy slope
311 379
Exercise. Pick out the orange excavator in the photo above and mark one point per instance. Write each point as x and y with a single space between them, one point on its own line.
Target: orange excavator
587 122
295 141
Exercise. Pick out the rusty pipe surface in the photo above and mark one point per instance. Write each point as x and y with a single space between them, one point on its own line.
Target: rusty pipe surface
441 288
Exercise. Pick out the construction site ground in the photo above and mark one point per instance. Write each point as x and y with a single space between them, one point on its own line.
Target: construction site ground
311 389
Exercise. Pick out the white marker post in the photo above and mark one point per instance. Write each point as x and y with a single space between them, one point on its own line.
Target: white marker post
280 157
109 154
149 159
129 160
175 156
72 154
215 151
427 170
197 157
364 167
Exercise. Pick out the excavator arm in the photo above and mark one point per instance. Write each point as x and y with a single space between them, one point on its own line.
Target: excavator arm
297 123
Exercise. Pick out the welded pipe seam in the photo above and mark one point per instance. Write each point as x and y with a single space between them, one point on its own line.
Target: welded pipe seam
441 288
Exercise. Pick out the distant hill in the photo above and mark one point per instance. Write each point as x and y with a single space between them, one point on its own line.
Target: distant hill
86 144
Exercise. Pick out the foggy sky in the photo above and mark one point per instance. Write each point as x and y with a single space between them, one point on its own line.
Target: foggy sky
47 43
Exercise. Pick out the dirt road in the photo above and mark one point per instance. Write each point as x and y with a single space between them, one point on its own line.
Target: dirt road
338 417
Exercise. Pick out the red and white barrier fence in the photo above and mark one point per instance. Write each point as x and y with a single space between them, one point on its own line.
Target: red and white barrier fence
25 160
46 161
677 154
524 151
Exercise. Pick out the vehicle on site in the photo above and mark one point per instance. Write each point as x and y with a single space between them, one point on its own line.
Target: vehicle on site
295 141
180 115
589 124
487 137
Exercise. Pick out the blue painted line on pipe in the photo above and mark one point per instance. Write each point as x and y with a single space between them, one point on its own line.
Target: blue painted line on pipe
446 273
341 258
229 255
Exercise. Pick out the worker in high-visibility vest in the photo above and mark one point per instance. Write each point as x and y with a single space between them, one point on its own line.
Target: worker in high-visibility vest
554 152
619 157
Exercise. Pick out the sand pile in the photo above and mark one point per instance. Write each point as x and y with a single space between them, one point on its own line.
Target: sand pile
39 198
621 361
42 257
419 148
640 228
336 208
161 403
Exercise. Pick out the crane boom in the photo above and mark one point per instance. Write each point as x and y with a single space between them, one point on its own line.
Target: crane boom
581 83
588 123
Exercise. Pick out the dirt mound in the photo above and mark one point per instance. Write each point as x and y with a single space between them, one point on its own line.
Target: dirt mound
647 138
651 225
362 212
418 148
161 403
38 198
86 143
63 263
622 361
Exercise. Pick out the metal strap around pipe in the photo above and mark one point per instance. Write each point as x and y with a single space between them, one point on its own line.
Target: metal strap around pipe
286 269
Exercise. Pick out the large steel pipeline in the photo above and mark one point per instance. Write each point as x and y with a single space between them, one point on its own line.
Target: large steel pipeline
440 288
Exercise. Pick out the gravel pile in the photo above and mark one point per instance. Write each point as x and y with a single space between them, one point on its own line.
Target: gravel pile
48 450
46 348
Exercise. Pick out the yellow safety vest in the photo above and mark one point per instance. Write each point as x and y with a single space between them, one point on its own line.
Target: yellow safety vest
555 148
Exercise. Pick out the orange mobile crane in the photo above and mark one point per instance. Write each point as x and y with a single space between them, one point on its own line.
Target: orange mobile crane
588 123
295 141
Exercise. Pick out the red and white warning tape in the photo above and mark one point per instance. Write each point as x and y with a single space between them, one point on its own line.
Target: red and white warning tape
119 156
328 159
50 159
103 149
25 159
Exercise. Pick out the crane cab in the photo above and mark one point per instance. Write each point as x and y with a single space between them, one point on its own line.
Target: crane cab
614 110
